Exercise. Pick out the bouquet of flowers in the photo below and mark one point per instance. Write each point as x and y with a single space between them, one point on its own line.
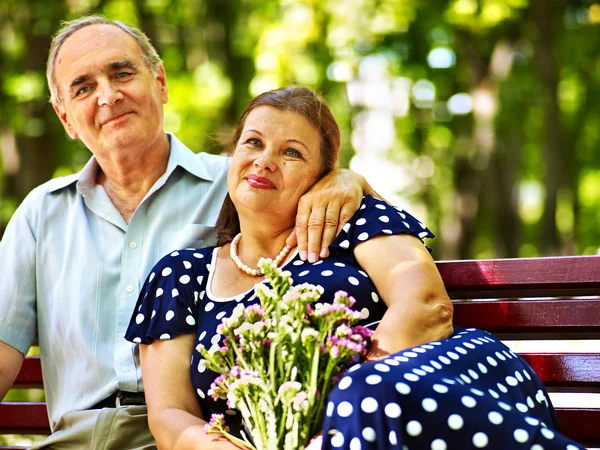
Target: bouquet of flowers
279 360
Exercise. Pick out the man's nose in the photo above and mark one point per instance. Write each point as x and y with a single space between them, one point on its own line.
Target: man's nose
108 94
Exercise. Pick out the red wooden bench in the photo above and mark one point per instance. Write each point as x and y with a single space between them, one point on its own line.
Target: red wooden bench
516 299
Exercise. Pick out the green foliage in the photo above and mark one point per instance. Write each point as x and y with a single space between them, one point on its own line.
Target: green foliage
394 73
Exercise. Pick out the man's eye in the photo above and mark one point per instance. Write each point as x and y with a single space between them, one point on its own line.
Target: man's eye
123 74
83 90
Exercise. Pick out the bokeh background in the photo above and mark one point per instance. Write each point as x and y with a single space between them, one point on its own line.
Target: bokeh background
480 116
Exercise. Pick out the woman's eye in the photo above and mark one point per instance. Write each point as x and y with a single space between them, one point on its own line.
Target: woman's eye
253 142
293 152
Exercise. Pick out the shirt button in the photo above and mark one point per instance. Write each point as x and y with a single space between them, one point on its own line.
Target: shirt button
129 288
133 244
125 369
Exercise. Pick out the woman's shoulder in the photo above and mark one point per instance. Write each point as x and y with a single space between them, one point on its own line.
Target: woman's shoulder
374 218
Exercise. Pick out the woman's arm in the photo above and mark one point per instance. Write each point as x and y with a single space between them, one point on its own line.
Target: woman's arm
419 309
174 415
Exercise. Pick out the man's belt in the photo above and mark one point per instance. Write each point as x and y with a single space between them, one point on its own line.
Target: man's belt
121 398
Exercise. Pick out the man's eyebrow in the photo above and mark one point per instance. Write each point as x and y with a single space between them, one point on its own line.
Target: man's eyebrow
79 80
123 64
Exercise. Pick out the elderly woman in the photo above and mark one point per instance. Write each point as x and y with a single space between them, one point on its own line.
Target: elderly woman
425 384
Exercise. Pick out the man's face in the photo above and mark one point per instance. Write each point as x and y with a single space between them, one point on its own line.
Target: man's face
110 98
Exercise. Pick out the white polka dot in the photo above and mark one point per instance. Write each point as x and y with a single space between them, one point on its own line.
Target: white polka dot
345 383
468 401
343 244
547 433
153 314
393 438
304 272
511 381
538 447
502 388
414 428
202 335
137 340
384 219
444 360
368 434
346 227
480 440
380 206
198 255
521 435
392 410
202 366
429 404
344 409
572 447
420 372
491 361
453 355
363 236
519 376
215 339
209 306
438 444
410 354
170 314
361 221
139 318
174 293
381 367
375 297
199 279
530 402
436 364
411 377
166 271
187 264
465 378
337 440
401 358
386 231
526 374
165 336
353 281
184 279
406 225
532 421
482 368
221 315
391 362
327 273
427 369
339 264
500 356
159 292
330 408
403 388
522 407
200 393
369 405
460 350
190 320
440 388
455 422
495 417
504 406
364 313
299 262
469 345
419 350
373 379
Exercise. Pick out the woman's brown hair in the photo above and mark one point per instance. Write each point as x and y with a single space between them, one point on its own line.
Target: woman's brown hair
300 100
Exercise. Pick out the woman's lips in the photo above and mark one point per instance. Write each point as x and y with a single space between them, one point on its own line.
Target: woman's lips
259 182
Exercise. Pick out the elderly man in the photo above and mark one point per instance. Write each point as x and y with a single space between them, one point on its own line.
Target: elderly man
77 251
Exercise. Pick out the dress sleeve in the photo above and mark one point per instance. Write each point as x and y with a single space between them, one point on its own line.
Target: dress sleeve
375 217
168 303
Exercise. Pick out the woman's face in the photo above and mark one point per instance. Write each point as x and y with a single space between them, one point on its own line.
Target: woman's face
276 160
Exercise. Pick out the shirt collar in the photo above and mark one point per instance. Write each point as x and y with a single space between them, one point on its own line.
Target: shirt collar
180 156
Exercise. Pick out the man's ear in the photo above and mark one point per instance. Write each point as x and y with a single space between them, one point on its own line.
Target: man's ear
62 115
161 77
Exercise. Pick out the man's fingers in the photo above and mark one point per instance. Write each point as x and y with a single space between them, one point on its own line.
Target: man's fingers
301 229
291 240
331 228
315 233
346 214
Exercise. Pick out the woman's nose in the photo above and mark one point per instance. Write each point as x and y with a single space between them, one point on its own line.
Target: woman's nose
266 160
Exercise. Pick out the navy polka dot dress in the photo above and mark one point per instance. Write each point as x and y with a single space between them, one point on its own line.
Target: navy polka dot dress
469 391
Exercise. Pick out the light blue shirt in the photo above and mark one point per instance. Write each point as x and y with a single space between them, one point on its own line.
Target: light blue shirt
71 269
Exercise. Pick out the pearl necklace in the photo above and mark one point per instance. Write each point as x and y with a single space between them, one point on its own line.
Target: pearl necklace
243 267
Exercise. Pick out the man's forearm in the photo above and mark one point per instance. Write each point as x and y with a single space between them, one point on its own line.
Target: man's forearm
10 364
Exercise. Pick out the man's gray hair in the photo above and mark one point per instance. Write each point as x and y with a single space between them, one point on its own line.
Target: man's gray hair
149 53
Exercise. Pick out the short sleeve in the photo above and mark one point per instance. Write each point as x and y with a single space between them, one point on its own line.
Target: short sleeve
168 302
18 274
374 218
